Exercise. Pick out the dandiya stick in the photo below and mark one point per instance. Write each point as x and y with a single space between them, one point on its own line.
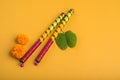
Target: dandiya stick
41 39
53 37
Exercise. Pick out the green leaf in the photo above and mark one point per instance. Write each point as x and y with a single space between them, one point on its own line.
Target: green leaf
71 38
61 41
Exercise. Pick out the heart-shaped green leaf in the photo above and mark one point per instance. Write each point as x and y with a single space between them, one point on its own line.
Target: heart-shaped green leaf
61 41
71 38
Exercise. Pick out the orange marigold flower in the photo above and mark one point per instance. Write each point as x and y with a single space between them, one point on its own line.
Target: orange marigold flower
22 39
18 51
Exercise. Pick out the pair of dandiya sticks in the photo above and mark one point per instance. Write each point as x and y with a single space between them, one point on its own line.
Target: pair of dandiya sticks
58 25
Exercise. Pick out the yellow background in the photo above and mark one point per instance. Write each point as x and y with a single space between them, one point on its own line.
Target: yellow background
95 22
